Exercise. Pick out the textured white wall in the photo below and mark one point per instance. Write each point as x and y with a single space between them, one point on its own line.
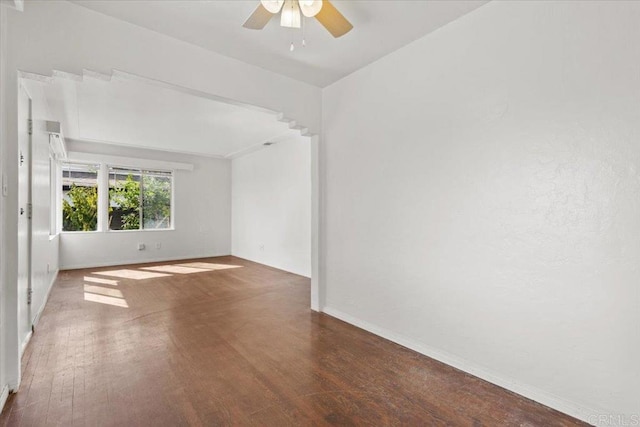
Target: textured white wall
482 199
271 206
202 219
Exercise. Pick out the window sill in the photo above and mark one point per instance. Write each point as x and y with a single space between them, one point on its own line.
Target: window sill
116 231
152 230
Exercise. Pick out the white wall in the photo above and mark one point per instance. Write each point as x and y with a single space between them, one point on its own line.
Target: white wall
202 216
482 200
271 206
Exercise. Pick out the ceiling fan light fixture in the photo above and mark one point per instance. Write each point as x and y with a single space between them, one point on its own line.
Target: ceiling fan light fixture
292 13
310 8
290 16
272 6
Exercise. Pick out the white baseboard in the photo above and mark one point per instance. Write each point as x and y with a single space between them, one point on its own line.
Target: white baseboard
533 393
3 397
25 343
139 261
46 298
271 265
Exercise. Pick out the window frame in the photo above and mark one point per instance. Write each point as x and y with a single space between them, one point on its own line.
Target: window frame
103 195
55 193
142 170
60 193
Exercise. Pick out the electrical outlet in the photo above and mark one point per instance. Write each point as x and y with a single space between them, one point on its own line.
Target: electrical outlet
141 246
261 247
158 245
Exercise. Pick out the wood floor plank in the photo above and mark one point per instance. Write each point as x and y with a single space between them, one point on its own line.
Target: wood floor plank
224 341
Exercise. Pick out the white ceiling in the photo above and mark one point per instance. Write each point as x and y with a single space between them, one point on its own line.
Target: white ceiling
380 27
134 112
140 113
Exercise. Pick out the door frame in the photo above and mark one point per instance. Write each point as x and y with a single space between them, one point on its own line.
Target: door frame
25 208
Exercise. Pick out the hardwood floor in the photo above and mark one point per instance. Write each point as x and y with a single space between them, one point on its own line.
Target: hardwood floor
224 341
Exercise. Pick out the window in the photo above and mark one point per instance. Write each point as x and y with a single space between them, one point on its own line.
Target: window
124 199
97 197
79 197
139 199
156 200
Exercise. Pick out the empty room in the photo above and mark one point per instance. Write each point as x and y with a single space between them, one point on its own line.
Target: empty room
319 212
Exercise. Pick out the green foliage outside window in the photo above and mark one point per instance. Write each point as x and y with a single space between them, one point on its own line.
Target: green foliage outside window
82 213
126 195
156 201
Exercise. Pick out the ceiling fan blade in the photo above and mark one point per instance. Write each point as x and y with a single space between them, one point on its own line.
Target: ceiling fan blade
333 20
258 19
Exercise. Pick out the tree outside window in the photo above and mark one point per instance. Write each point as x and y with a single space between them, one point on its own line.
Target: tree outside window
156 200
139 194
79 197
138 199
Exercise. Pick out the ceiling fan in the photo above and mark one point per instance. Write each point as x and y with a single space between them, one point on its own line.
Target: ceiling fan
290 10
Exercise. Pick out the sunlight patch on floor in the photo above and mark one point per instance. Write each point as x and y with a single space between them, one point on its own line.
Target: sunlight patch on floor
101 280
103 291
209 266
102 299
177 269
132 274
93 292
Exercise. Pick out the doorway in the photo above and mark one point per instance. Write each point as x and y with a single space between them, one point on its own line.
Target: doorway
25 131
